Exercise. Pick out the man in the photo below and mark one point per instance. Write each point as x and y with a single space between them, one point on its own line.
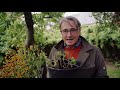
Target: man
91 60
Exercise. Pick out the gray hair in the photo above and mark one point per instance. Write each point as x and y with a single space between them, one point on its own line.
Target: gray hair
75 20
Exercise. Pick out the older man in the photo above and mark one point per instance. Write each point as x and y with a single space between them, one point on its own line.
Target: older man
91 60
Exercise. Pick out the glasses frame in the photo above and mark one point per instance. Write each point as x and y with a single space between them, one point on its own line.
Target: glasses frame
71 31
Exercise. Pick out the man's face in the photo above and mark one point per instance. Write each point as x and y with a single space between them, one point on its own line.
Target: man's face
70 33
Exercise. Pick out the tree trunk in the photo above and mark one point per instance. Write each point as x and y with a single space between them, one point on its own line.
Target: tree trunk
30 32
116 18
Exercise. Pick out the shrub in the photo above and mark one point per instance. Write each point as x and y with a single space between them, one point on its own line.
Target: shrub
25 63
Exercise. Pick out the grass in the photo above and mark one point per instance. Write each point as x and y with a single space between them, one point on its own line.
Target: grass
112 70
113 73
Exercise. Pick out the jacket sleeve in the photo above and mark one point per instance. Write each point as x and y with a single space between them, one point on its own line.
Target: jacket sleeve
52 53
101 70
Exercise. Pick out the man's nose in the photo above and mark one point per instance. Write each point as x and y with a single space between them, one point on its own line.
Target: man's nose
69 33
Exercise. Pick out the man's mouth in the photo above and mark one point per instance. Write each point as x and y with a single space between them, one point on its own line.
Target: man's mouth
70 39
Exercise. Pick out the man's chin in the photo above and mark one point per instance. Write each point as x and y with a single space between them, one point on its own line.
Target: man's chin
69 44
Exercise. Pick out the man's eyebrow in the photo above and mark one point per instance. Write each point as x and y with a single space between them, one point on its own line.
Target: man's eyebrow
70 28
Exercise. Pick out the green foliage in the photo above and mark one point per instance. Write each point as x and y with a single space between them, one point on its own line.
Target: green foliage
60 62
23 63
1 59
104 33
102 36
43 20
13 29
103 17
14 35
35 59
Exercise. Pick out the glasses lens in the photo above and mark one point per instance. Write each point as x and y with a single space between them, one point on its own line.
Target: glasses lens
72 31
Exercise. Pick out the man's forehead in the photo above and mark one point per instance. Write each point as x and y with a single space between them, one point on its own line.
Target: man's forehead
70 22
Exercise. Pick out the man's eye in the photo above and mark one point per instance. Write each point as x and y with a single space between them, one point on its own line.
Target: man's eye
65 30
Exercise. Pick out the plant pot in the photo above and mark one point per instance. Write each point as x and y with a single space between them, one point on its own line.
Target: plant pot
63 73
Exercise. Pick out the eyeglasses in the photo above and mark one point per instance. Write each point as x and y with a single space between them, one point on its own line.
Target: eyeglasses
72 31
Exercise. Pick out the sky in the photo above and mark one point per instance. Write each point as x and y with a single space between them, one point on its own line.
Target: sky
70 13
83 17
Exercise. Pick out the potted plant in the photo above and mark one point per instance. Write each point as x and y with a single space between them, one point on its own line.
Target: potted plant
61 67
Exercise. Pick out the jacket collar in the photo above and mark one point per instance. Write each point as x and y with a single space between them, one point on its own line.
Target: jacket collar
86 45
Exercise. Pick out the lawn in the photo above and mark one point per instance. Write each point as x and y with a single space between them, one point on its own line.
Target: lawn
112 70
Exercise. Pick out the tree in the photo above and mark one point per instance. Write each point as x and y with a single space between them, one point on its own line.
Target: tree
106 32
116 18
30 32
